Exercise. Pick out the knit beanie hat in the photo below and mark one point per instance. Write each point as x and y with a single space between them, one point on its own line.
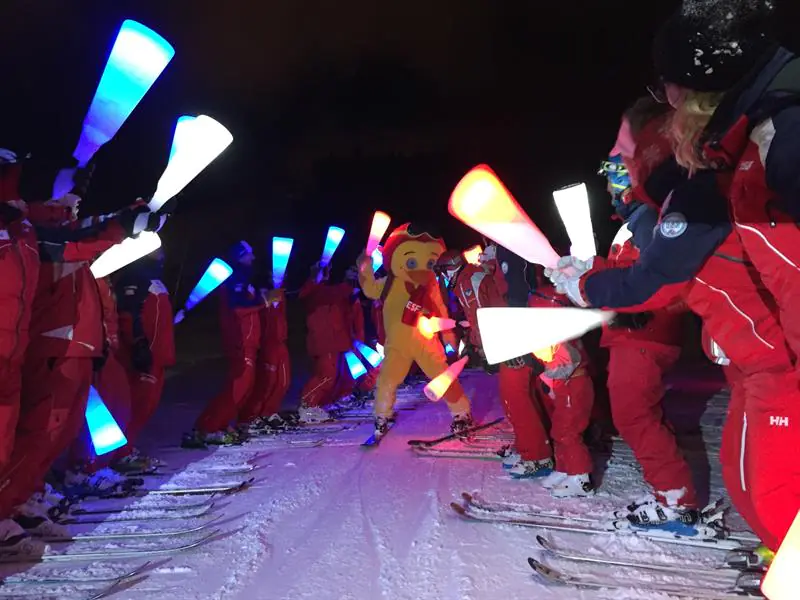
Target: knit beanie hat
710 45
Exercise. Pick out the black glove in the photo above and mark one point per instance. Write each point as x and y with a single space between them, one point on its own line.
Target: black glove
138 218
142 356
491 369
169 207
82 178
527 360
8 213
98 362
633 321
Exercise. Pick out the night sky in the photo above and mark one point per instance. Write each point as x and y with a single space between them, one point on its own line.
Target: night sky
337 108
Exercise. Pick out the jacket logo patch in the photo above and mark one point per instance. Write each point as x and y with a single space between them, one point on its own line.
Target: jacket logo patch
504 267
673 225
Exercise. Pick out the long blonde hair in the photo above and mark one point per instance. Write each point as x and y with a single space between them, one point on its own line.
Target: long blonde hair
688 122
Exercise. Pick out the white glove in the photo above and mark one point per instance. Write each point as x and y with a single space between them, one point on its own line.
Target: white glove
567 267
571 287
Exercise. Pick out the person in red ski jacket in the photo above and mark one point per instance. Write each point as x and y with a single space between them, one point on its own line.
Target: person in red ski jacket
328 337
111 382
240 320
66 339
146 348
477 286
739 113
695 255
274 375
642 348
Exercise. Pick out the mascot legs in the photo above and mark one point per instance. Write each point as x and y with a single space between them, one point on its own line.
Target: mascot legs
394 369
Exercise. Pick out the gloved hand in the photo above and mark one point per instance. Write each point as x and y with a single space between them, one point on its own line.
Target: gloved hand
179 316
527 360
142 356
82 178
138 218
364 262
566 276
633 321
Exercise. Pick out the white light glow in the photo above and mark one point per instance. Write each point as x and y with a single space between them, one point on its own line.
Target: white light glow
124 253
508 333
573 206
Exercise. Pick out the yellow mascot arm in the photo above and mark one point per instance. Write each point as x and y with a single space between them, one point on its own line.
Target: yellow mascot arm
372 288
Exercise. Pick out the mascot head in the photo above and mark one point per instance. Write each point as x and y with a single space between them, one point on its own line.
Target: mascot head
411 252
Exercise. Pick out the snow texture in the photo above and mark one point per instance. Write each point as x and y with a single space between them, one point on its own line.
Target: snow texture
338 522
723 17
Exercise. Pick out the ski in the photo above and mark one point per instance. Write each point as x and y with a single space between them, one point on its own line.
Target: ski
92 537
114 581
374 440
223 490
234 470
142 515
592 529
452 436
456 453
555 577
124 509
675 568
124 554
520 510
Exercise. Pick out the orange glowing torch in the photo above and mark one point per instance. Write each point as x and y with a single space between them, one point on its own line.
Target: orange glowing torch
430 326
437 388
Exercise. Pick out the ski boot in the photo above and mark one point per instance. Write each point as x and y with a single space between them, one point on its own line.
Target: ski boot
223 438
382 425
655 516
313 414
509 455
194 440
14 540
34 518
532 469
104 483
291 418
573 486
136 463
257 426
461 425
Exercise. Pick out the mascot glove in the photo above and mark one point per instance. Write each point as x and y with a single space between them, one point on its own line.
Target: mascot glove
571 287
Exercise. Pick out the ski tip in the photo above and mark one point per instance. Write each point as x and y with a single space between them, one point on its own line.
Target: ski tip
458 508
467 497
543 542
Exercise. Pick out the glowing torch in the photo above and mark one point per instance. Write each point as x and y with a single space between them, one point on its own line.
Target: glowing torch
103 429
197 142
482 202
380 223
281 250
332 241
354 365
572 203
783 578
437 388
373 357
473 255
139 55
430 326
508 333
214 276
124 253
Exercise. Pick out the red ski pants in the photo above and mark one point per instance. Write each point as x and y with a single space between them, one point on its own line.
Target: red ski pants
146 391
524 413
112 385
54 395
224 408
571 402
10 391
761 451
272 382
635 388
318 391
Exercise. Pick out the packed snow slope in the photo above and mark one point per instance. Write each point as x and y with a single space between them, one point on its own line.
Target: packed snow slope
341 522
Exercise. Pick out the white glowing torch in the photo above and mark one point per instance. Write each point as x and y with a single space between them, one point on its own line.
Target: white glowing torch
437 387
139 55
482 202
124 253
509 333
196 143
380 223
572 203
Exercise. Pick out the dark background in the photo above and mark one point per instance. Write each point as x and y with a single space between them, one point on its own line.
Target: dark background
337 109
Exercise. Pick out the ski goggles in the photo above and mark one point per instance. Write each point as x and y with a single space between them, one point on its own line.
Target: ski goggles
617 174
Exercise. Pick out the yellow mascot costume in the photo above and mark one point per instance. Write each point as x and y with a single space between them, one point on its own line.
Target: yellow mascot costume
409 291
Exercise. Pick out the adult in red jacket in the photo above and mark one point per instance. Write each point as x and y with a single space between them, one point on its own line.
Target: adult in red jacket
273 375
695 255
240 320
111 382
328 334
480 286
147 345
642 348
66 341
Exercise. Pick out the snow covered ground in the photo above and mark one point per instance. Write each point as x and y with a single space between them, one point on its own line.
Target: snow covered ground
340 522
